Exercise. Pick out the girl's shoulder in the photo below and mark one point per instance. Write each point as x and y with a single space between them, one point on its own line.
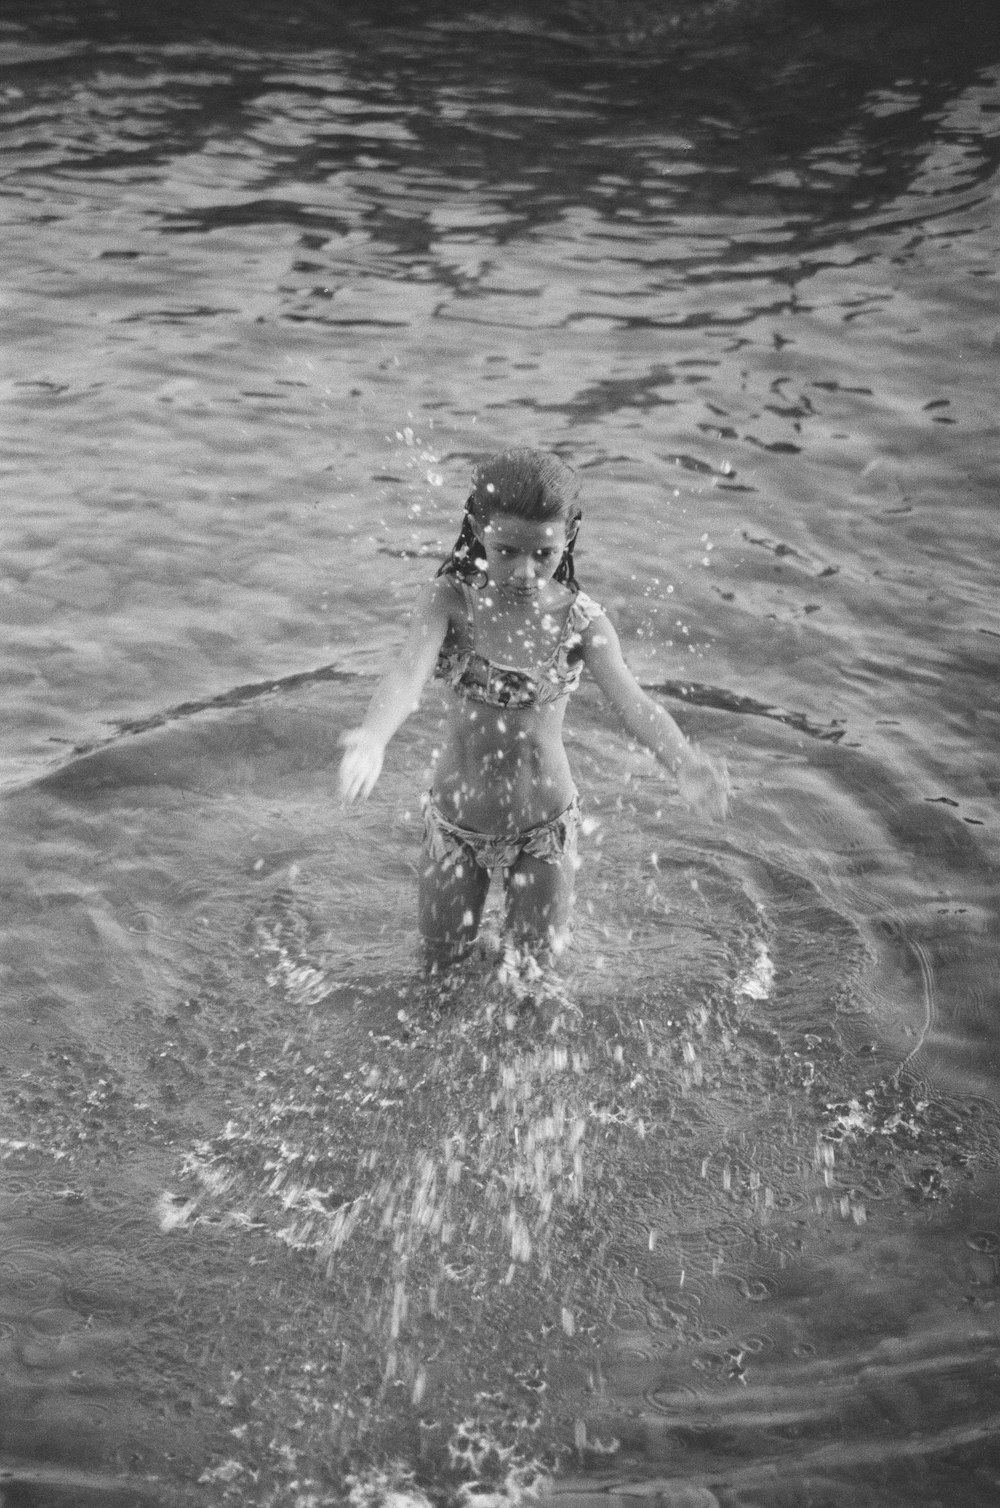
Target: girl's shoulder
445 597
448 587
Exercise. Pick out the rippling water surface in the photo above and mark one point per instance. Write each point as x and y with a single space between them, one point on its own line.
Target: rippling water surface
714 1220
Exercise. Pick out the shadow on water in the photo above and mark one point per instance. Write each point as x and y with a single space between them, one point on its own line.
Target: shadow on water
278 1215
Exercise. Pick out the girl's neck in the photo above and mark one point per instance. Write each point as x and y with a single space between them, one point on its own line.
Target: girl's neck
507 601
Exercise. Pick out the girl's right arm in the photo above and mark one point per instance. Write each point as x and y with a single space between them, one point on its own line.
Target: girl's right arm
398 692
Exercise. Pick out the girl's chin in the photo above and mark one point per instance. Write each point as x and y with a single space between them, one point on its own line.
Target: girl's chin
508 589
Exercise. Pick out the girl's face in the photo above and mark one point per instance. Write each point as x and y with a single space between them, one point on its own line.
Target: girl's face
522 555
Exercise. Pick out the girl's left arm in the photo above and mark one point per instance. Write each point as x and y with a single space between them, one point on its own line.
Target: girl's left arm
702 781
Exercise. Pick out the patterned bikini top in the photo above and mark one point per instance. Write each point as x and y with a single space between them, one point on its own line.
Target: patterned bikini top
478 679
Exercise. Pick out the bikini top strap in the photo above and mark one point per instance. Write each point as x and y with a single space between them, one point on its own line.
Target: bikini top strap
468 596
582 612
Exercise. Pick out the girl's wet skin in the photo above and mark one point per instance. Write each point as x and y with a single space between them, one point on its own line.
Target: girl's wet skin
505 768
504 602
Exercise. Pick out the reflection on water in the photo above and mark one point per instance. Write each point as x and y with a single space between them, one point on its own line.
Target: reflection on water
715 1213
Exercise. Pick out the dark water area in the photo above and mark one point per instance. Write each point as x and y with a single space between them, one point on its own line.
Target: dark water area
712 1218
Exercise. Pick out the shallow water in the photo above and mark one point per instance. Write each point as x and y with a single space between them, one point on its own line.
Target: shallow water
718 1212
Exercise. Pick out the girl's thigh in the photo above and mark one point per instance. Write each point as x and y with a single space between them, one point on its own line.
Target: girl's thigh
451 900
540 900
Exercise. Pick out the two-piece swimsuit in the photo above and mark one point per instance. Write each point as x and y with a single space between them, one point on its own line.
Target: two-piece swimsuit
486 681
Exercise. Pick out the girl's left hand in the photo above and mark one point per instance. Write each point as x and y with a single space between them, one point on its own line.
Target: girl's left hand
361 764
704 784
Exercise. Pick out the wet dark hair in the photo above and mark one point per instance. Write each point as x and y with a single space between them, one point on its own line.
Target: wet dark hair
528 484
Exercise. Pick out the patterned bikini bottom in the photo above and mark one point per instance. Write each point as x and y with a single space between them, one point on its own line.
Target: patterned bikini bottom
550 841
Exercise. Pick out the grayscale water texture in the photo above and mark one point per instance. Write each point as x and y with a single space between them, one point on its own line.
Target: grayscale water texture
713 1220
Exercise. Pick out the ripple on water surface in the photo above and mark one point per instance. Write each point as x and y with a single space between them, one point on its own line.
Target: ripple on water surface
713 1218
285 1212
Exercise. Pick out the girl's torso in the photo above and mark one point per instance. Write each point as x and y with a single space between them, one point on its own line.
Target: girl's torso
510 665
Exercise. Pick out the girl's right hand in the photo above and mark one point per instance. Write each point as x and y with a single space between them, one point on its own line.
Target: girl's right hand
361 764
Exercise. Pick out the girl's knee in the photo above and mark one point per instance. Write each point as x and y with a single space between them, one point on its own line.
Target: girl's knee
440 954
536 948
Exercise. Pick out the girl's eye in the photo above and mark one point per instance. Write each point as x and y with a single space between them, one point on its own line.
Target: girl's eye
507 551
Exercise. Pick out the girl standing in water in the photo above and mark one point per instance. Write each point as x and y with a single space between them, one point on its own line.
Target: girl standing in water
506 627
